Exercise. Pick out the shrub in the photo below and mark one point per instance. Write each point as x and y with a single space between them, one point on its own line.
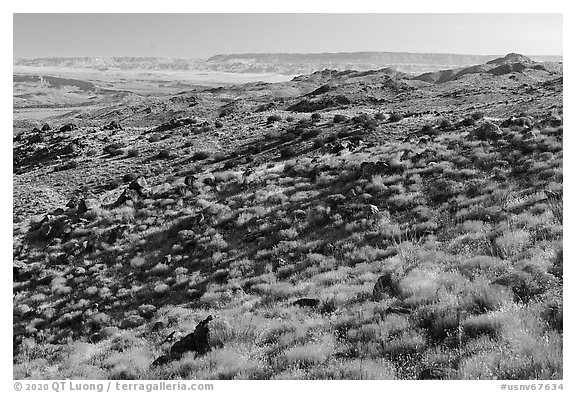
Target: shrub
164 153
511 243
288 152
133 152
114 149
200 155
445 124
273 118
485 324
318 143
309 134
339 118
395 117
478 115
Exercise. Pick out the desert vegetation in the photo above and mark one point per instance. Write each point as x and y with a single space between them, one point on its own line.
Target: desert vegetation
385 238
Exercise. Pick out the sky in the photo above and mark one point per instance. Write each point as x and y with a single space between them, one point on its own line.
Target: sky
205 35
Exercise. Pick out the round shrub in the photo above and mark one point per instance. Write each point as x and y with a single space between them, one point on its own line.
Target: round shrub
395 117
164 153
273 118
133 152
287 152
339 118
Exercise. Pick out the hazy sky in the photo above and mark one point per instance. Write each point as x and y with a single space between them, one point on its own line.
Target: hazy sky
204 35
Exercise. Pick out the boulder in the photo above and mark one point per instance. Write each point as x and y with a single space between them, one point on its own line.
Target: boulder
46 127
198 341
36 138
73 203
385 285
86 204
486 131
138 184
68 127
527 123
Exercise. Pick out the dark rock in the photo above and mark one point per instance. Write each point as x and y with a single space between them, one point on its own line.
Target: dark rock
73 203
369 169
551 121
46 127
36 138
437 373
157 326
132 322
307 302
68 127
85 205
160 361
114 125
180 347
397 310
58 211
486 131
202 337
198 341
313 106
129 177
138 184
189 180
385 285
169 338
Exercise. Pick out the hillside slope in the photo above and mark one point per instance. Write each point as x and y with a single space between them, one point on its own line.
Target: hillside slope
407 232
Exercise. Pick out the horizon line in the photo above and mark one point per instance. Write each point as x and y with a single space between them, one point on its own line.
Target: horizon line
281 53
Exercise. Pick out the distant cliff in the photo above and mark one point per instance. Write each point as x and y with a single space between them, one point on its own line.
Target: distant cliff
278 63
